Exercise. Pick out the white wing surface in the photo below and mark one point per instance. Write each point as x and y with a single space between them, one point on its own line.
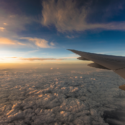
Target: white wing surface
115 63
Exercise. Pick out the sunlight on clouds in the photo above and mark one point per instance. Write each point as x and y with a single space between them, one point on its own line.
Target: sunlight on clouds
9 41
32 95
2 29
10 24
12 16
6 57
5 24
6 41
67 16
39 59
8 60
42 43
52 44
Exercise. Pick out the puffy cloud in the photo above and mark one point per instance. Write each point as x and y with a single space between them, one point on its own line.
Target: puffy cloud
42 43
6 41
33 96
67 16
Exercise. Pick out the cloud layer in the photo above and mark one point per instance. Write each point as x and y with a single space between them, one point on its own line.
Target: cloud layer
34 59
68 16
34 96
40 59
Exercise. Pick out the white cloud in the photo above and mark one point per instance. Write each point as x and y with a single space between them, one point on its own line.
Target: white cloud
66 16
42 43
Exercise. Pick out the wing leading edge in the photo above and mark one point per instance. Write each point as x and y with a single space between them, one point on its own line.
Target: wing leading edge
115 63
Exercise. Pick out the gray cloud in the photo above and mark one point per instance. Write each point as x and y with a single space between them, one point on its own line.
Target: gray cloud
67 16
35 97
11 24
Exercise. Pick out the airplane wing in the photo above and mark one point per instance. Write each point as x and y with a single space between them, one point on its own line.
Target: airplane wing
115 63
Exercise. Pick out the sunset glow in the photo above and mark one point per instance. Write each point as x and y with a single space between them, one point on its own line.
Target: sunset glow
51 70
49 29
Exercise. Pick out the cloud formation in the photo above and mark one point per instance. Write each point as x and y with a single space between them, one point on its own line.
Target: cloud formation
2 29
66 15
34 96
42 43
14 22
34 59
6 41
42 59
11 25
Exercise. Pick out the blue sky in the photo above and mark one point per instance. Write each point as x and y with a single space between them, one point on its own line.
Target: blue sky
45 29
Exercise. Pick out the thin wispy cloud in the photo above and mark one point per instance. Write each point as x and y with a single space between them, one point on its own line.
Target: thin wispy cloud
42 43
71 36
5 24
15 22
42 59
2 29
10 25
67 16
6 41
12 57
39 59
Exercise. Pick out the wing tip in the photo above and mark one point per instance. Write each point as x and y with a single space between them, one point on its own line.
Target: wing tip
75 51
70 49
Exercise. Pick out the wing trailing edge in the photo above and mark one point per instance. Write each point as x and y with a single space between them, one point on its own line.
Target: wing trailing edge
114 63
95 65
